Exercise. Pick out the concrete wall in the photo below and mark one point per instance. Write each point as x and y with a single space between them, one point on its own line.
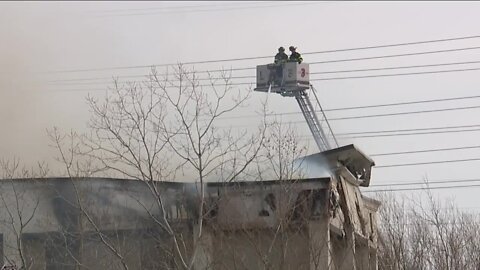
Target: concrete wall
64 223
42 219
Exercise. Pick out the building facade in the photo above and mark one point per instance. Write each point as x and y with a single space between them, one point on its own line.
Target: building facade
102 223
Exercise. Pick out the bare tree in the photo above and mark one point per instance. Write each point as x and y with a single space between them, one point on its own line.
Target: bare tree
426 233
274 236
20 208
154 130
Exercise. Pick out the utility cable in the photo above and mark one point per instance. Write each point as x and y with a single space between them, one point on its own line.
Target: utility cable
340 136
421 188
109 79
361 107
425 151
159 8
426 163
321 79
404 113
409 134
379 115
398 67
428 182
378 134
408 129
397 74
306 53
208 10
393 55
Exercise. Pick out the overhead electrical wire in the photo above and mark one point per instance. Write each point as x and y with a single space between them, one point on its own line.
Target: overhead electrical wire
379 106
356 77
322 79
398 67
402 134
72 81
410 134
449 181
363 106
404 113
409 129
425 151
305 53
397 74
421 188
340 136
379 115
393 55
427 163
208 10
345 136
370 106
398 131
160 8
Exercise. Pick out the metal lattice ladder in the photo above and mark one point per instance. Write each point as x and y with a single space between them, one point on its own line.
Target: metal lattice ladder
320 128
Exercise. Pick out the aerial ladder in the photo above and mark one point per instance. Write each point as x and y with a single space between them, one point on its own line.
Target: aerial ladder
292 79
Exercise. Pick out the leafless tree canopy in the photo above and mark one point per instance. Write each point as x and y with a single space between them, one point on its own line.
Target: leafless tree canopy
426 234
157 129
166 126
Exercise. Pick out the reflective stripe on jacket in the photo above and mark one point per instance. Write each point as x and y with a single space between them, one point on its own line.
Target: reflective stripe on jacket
296 57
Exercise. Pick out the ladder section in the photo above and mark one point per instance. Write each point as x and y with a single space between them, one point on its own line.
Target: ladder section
312 120
324 124
317 127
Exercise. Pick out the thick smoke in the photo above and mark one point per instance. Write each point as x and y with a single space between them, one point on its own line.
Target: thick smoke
313 166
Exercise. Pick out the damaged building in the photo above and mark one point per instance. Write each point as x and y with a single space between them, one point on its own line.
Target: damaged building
103 223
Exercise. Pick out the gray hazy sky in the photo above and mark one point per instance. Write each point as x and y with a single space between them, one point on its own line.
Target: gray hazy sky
43 42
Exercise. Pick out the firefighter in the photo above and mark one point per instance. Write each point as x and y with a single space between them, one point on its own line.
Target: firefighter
281 57
295 56
276 76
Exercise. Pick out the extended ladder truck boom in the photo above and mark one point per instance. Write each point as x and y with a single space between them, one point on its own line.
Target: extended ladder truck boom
291 79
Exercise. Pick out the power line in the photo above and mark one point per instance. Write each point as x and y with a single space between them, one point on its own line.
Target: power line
394 55
253 77
158 8
398 67
397 74
425 151
323 79
333 78
396 135
145 77
363 106
395 45
381 115
343 135
385 115
340 135
421 188
378 106
307 53
207 10
429 182
99 78
427 163
409 129
409 134
404 113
